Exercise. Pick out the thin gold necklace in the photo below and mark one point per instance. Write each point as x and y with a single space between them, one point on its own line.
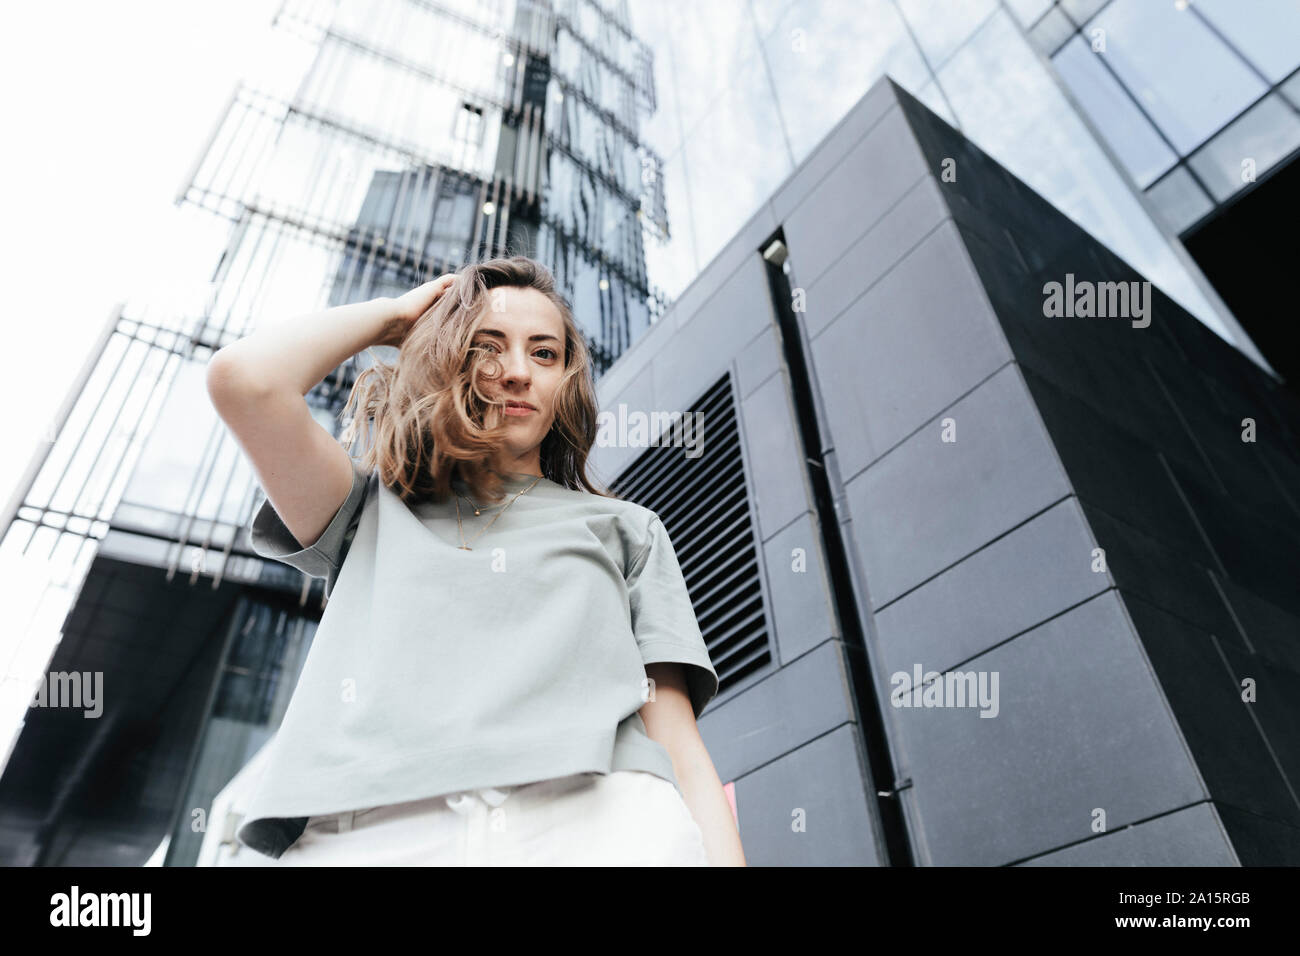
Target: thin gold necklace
464 545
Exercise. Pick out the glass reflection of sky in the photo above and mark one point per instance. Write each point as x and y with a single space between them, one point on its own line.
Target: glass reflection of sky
744 98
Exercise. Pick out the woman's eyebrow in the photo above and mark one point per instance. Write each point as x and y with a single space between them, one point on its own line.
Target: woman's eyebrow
540 337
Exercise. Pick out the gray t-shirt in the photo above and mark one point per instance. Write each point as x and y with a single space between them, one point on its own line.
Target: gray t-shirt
436 669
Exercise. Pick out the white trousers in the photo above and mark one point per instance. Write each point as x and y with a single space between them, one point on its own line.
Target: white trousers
624 818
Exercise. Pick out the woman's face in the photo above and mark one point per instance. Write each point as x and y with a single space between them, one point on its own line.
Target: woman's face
525 331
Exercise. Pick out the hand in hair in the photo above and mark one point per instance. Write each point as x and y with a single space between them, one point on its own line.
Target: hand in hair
411 306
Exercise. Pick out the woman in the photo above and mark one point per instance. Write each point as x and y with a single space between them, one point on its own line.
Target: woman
508 670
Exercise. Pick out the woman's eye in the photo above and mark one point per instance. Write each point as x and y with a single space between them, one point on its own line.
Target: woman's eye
491 347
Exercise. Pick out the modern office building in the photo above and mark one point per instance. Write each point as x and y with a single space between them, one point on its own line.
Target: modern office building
417 135
905 463
1199 102
1141 120
1028 572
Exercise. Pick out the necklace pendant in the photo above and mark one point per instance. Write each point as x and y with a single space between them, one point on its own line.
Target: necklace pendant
465 547
477 512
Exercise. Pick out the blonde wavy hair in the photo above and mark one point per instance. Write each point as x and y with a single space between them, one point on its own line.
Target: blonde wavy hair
427 411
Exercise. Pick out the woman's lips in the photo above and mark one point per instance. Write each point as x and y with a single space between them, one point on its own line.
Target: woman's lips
519 410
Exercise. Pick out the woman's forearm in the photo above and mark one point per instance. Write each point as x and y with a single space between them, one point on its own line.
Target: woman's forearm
298 353
705 798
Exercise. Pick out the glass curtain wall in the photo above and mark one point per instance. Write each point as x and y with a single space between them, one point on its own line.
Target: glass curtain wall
412 136
750 87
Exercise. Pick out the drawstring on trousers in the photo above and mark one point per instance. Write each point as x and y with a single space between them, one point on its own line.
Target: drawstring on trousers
462 802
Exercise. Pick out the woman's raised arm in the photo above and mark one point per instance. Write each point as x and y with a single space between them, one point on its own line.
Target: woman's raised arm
257 386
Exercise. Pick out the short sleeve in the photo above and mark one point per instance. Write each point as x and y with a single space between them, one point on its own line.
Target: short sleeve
270 538
663 619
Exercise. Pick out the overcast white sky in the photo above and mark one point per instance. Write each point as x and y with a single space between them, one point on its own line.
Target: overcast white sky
106 106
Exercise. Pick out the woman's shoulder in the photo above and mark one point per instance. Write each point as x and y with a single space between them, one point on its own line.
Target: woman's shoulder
611 499
636 518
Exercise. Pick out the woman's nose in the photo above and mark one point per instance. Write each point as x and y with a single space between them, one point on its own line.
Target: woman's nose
516 368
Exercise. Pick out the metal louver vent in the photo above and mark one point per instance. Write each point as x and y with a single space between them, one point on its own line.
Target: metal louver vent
704 506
